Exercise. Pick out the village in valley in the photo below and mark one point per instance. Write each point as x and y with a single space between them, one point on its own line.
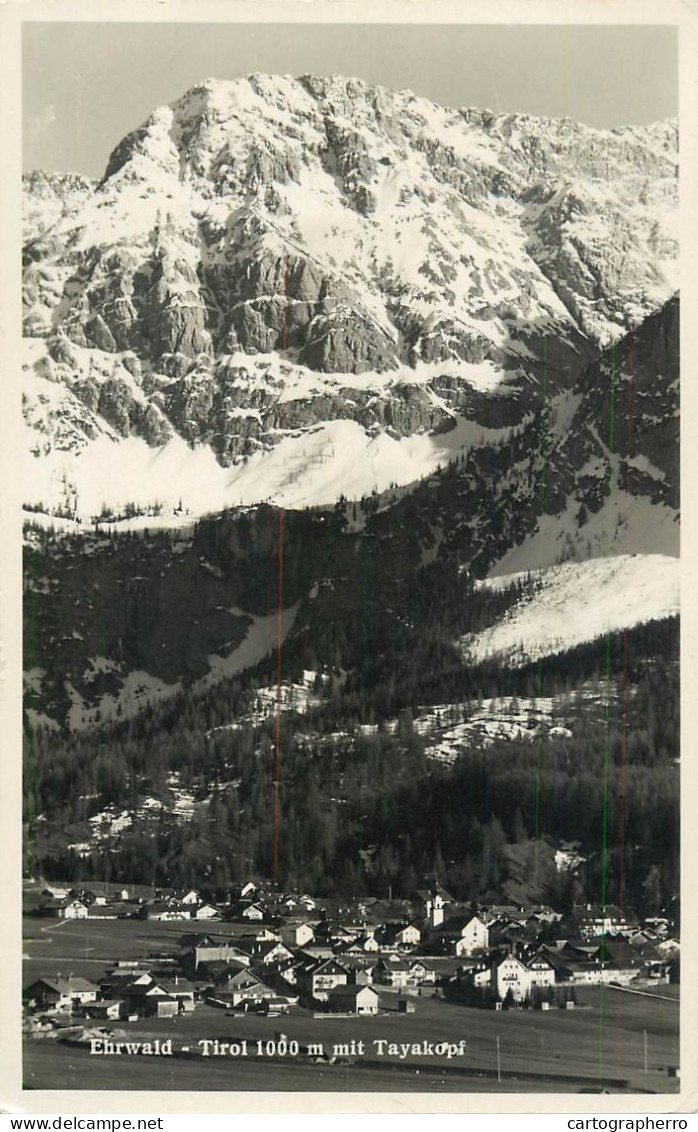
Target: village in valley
145 961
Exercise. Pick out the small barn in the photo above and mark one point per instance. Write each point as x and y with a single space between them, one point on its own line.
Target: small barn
353 1000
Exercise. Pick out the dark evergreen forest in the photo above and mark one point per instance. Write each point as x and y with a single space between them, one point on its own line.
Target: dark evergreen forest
363 809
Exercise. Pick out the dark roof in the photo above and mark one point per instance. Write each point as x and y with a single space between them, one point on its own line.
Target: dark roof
328 966
457 923
600 911
436 890
351 991
195 939
66 986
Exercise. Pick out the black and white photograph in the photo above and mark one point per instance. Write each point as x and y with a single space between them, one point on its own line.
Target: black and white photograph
350 476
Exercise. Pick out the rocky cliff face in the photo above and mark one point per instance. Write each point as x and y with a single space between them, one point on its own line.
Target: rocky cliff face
271 254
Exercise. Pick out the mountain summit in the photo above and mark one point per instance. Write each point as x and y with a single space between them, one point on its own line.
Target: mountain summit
276 275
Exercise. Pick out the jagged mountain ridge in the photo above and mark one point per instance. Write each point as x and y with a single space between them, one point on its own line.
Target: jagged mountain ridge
317 264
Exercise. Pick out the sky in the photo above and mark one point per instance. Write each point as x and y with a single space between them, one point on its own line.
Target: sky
86 85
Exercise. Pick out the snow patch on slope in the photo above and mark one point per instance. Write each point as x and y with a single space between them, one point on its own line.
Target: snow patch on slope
309 468
626 524
577 602
138 689
262 637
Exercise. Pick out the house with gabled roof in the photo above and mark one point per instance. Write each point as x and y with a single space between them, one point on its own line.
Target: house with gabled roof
196 939
222 973
161 998
511 975
164 910
273 951
297 934
420 973
181 990
589 921
360 971
392 972
465 935
205 912
246 988
265 934
101 911
249 888
60 993
116 980
254 912
542 971
353 1000
602 960
319 980
195 958
86 895
54 892
65 908
402 935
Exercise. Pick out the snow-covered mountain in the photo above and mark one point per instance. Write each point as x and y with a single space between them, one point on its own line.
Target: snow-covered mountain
300 291
290 289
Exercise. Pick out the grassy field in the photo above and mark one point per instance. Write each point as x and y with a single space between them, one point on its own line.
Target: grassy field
553 1051
88 947
557 1051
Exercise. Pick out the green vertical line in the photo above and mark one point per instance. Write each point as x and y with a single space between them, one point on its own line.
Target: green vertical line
612 417
606 757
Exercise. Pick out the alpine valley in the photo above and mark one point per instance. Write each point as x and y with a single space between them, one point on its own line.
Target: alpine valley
352 489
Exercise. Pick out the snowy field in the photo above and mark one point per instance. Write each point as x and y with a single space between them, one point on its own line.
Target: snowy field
577 602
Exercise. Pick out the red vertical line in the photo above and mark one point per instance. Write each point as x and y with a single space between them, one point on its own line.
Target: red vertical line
607 734
629 427
279 608
625 688
626 647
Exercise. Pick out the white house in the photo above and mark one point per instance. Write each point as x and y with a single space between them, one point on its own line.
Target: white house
420 973
297 935
512 975
474 937
354 1000
206 912
74 910
253 912
541 971
392 972
408 935
325 977
60 993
